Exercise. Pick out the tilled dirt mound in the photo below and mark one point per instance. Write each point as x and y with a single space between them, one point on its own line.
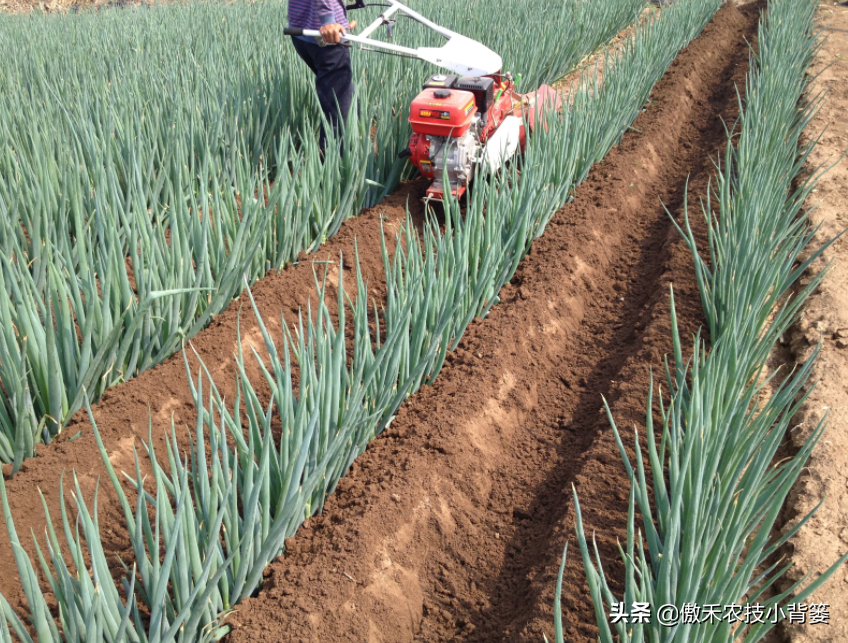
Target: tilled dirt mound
451 525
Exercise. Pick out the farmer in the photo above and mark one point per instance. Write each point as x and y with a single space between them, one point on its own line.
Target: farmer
330 63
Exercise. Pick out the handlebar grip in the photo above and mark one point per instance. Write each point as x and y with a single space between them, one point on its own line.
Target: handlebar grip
292 31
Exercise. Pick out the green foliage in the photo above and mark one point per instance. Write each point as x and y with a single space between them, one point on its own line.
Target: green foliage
156 159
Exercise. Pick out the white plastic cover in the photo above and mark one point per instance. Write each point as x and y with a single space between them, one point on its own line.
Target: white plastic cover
463 56
503 144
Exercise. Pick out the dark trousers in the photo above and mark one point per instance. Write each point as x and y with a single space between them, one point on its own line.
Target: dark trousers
333 80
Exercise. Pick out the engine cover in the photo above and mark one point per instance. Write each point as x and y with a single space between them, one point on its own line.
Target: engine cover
442 112
456 157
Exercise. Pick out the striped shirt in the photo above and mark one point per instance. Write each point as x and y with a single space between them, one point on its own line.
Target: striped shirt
314 14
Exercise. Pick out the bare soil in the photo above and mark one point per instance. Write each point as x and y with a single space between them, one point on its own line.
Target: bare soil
451 526
825 537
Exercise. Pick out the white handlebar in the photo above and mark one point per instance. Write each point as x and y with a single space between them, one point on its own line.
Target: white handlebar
460 54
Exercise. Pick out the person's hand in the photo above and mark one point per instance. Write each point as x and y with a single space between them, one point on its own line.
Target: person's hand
332 34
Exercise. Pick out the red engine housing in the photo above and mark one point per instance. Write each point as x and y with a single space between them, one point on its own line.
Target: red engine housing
449 115
419 148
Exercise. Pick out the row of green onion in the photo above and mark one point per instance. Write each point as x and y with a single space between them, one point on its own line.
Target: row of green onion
707 484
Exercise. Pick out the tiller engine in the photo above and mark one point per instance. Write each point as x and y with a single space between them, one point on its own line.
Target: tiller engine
460 123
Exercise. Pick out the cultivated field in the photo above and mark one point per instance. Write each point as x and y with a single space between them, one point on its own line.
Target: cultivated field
356 417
